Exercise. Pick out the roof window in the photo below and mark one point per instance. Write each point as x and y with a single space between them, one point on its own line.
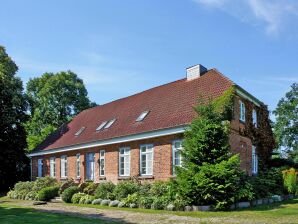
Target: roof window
101 126
109 124
80 131
142 116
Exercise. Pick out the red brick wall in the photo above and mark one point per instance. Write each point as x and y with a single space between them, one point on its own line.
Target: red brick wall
162 164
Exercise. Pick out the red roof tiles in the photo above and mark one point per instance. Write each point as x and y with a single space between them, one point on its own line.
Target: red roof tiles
170 105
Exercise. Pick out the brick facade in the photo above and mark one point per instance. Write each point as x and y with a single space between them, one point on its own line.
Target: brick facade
162 153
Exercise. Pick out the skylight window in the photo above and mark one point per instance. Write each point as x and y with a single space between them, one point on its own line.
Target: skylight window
142 116
109 124
101 126
80 131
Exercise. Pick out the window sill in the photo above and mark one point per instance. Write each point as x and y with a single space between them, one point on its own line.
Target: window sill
102 178
63 178
123 177
146 177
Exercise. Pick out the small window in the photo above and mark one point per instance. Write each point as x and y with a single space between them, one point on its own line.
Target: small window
142 116
80 131
40 168
146 160
78 165
242 111
109 124
63 168
52 167
254 118
101 126
124 161
254 165
102 162
177 147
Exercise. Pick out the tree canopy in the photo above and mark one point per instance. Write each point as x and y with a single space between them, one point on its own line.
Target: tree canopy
13 107
286 125
54 99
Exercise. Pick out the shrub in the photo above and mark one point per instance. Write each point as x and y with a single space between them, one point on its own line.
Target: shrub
23 186
159 188
43 182
290 180
121 204
105 202
32 196
144 189
86 199
82 186
114 203
90 188
125 188
105 190
145 202
75 199
68 193
160 202
96 201
132 199
48 193
66 184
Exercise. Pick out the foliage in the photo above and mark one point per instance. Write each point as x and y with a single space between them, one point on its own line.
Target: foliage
160 202
105 190
286 125
90 188
66 184
159 188
48 193
290 180
96 201
14 164
32 195
132 199
42 182
125 188
68 193
145 201
27 185
75 199
86 199
54 99
267 183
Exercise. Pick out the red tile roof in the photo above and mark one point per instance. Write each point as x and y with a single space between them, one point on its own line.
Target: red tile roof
170 105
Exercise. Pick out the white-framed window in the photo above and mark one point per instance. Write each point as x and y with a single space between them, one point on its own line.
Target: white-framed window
177 147
102 162
78 165
254 161
124 161
39 167
146 159
63 166
90 166
254 118
142 116
242 111
52 166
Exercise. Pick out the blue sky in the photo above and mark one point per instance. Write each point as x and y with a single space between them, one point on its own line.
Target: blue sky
122 47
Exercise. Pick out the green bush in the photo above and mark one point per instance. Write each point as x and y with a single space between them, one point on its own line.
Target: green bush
145 202
86 199
125 188
68 193
43 182
90 189
159 188
131 199
75 199
66 184
28 185
160 202
105 191
32 196
144 189
48 193
290 180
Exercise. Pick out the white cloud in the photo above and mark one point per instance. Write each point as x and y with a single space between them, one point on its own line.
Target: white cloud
274 14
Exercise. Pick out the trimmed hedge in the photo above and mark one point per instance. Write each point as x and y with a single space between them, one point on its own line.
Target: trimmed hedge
48 193
68 193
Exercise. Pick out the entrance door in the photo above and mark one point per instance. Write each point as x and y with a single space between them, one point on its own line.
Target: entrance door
90 166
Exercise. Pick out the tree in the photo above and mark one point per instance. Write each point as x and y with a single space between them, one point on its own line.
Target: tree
13 107
54 99
210 175
286 125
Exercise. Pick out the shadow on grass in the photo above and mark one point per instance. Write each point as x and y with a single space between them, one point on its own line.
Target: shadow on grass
12 215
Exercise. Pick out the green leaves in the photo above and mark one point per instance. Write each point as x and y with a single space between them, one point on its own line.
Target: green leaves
54 100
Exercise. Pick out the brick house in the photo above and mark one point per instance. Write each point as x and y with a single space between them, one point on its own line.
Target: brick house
140 135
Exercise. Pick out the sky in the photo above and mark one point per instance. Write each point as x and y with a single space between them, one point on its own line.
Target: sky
123 47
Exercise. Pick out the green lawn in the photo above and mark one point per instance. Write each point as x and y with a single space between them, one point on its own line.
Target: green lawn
12 215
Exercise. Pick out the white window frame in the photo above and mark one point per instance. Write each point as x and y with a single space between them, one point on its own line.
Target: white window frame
63 164
255 118
53 167
126 157
174 150
39 167
142 116
254 160
78 165
90 166
242 111
102 169
148 146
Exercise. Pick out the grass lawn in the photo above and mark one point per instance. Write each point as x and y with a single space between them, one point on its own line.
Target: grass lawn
13 214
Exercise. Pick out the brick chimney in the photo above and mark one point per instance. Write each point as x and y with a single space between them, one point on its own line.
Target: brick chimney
195 71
